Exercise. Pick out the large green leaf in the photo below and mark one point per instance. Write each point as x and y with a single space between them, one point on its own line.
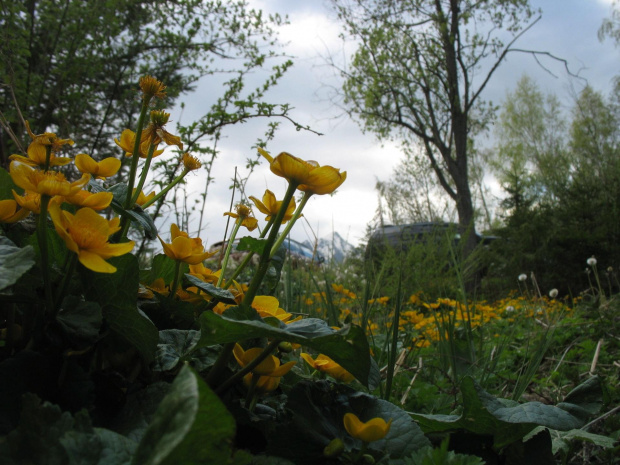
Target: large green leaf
252 244
117 295
14 262
48 436
7 185
347 346
177 346
163 267
505 421
315 417
80 320
136 214
191 426
220 294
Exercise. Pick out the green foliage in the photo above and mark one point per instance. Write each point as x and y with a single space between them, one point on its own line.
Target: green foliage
441 456
15 261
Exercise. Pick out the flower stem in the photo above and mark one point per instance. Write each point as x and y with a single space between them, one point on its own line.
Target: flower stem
136 152
290 224
145 172
42 239
177 278
174 182
229 247
69 269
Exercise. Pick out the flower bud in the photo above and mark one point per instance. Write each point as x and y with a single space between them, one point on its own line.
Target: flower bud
334 448
285 347
368 459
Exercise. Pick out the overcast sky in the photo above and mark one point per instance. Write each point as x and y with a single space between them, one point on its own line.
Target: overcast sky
568 29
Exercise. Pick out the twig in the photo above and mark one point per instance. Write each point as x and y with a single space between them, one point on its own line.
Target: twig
596 354
406 394
602 417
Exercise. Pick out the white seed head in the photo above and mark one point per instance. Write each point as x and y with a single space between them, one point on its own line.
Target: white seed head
553 293
591 261
522 277
510 309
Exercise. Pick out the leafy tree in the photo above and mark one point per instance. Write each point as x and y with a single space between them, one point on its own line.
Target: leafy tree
419 72
72 66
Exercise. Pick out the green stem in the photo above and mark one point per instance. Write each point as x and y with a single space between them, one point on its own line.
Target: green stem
42 239
136 152
247 258
229 247
69 269
177 278
174 182
250 398
48 157
271 347
290 224
145 171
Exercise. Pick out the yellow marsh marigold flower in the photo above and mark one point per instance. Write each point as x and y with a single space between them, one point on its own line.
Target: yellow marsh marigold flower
142 199
155 133
97 201
183 248
326 365
245 213
372 430
310 176
48 139
9 212
30 201
203 273
190 163
36 157
49 183
268 367
266 305
151 87
128 140
270 206
86 233
100 170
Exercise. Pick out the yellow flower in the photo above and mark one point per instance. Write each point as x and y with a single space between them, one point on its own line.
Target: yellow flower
151 87
142 199
30 201
310 176
97 201
326 365
9 212
155 133
372 430
183 248
48 139
86 234
269 367
127 141
204 273
267 305
49 183
244 212
100 170
36 156
270 206
190 163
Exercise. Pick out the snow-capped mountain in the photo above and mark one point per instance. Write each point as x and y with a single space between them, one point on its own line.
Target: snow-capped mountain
332 247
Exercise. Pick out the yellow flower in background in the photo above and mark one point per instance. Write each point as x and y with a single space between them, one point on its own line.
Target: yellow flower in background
45 182
100 170
9 212
326 365
270 206
48 139
155 133
151 87
268 367
36 157
190 163
266 305
310 176
82 198
204 273
372 430
86 233
30 201
128 140
142 199
245 213
183 248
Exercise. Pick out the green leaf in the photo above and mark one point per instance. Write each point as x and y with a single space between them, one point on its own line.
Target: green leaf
162 267
252 244
14 262
191 426
484 414
174 346
315 417
80 320
136 214
347 346
117 295
220 294
48 436
561 439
